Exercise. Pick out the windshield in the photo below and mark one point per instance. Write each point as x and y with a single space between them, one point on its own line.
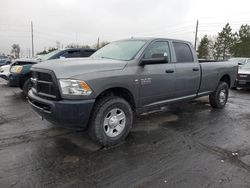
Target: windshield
120 50
48 56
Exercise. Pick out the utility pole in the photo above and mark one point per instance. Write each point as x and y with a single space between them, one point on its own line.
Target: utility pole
77 40
32 39
196 33
97 45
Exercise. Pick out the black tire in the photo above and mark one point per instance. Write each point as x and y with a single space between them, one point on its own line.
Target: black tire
215 99
97 128
234 88
26 87
8 83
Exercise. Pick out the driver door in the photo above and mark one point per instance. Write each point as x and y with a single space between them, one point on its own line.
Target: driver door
157 81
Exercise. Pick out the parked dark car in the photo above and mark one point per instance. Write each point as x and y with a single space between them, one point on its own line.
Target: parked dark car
4 60
67 53
103 92
243 78
20 73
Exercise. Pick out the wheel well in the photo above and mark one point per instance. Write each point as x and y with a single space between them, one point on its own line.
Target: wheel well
23 79
119 92
226 78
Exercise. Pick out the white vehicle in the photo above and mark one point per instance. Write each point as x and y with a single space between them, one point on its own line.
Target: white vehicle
240 60
5 71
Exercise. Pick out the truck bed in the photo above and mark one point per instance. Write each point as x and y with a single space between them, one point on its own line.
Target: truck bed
210 61
212 71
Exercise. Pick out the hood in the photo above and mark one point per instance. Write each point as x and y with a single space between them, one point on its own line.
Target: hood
244 71
24 61
5 66
66 68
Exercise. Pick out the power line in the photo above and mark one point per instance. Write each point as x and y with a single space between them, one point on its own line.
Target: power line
175 29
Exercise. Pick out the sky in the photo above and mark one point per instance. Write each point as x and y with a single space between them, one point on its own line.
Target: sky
83 21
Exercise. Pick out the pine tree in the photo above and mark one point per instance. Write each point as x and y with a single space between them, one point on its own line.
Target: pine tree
242 46
224 43
203 49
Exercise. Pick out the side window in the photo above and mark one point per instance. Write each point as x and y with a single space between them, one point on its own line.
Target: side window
87 53
157 50
71 54
183 52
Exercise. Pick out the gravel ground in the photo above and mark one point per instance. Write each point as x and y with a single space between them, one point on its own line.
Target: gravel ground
184 145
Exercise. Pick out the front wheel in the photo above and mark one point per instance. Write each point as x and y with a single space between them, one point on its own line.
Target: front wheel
26 87
111 120
219 97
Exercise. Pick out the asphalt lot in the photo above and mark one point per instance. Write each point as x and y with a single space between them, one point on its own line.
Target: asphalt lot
185 145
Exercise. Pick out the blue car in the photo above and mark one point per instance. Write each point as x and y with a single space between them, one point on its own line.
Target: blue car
20 73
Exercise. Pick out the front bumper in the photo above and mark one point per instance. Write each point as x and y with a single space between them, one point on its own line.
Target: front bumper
245 84
65 113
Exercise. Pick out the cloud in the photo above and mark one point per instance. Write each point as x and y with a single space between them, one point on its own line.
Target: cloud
82 21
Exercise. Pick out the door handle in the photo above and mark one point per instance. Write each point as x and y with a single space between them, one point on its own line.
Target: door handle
196 69
169 71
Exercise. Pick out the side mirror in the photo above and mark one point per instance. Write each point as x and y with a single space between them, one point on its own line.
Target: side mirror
150 61
155 59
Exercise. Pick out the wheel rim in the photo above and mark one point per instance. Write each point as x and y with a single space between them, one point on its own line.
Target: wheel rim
223 96
114 122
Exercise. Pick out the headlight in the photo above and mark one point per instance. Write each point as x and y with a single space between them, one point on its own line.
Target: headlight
16 69
74 87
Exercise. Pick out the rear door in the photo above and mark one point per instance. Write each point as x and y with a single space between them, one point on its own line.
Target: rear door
187 71
157 80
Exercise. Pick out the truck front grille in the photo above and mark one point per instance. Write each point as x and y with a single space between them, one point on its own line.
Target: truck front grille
44 84
244 77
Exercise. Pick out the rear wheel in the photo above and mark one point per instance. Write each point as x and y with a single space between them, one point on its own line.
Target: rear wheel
219 97
111 121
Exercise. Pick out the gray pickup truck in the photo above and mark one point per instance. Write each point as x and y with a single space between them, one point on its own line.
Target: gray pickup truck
102 93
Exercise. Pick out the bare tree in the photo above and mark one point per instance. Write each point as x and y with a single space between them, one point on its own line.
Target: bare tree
100 45
15 50
72 45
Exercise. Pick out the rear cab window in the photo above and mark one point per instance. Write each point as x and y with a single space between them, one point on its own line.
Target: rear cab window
183 52
71 54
